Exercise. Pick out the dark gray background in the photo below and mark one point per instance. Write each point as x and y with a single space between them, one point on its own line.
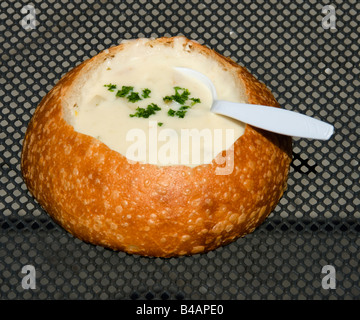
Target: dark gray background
308 68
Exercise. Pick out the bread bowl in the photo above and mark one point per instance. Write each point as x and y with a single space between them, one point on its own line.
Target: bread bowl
101 196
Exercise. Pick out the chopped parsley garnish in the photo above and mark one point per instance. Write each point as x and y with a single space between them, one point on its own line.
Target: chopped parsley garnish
171 112
167 99
129 93
133 97
111 87
194 101
179 113
125 90
146 113
146 93
181 96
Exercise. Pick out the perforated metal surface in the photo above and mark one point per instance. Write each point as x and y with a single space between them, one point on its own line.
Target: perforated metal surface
309 69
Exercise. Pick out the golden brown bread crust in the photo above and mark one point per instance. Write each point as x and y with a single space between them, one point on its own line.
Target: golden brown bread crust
99 197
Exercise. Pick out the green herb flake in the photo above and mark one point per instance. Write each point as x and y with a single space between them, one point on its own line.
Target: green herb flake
195 100
171 112
146 113
125 90
146 93
111 87
181 96
180 113
133 97
168 99
160 124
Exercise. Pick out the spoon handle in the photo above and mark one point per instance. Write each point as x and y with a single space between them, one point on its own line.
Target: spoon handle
275 119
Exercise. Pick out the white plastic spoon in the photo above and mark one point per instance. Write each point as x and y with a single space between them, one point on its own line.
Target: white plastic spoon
273 119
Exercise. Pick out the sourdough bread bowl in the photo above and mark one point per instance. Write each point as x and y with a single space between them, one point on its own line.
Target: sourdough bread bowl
78 170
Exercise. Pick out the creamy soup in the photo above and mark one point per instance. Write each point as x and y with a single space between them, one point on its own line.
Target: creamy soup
140 106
